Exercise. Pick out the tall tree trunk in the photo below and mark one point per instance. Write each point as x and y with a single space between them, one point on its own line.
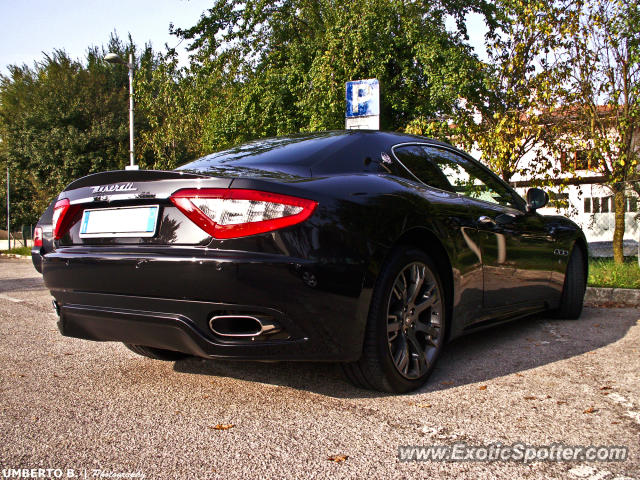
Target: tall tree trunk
618 232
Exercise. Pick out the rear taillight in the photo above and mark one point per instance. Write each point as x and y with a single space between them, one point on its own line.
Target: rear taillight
231 213
37 237
64 216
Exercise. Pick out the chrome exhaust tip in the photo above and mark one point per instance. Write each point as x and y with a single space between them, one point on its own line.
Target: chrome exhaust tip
56 307
241 326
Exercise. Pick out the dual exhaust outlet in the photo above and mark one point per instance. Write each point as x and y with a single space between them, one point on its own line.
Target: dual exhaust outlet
242 326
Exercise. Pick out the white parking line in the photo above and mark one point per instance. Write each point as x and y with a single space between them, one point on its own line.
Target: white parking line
11 299
619 399
590 473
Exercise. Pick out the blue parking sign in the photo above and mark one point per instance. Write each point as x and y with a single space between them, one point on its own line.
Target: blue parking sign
363 98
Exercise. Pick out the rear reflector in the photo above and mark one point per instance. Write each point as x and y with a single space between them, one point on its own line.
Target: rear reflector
64 216
37 237
232 213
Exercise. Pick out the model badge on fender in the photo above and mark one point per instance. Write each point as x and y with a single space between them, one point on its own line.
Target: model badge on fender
116 187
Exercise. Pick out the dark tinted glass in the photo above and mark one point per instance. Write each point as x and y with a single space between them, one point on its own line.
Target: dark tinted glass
418 162
468 179
443 168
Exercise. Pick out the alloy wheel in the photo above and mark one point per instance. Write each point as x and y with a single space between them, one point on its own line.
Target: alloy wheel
414 320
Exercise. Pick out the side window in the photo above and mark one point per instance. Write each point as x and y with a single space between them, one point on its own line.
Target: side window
468 179
420 164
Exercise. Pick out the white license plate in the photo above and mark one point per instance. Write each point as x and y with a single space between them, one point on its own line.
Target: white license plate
119 222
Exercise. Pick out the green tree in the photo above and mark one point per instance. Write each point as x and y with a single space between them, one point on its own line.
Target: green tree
173 111
276 68
512 118
59 120
601 94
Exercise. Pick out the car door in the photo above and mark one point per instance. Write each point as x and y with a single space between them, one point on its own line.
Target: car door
453 216
516 245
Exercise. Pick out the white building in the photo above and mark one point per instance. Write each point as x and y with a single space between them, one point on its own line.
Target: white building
589 204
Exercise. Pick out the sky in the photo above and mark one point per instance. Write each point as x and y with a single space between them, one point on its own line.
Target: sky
30 27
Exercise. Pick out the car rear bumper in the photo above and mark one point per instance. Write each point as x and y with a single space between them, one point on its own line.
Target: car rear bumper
36 259
166 301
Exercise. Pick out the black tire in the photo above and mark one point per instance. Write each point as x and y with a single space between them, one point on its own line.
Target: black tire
405 329
156 353
575 284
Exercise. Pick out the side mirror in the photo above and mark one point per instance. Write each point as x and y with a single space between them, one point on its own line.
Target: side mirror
536 198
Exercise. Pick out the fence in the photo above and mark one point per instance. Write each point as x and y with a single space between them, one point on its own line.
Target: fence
16 239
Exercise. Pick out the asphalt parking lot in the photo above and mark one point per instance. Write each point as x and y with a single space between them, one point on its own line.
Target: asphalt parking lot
99 409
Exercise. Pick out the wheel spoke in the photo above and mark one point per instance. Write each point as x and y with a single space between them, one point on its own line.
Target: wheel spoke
431 299
418 353
427 329
401 359
393 327
417 276
400 288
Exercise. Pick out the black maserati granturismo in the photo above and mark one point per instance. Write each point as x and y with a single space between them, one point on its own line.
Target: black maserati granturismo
371 249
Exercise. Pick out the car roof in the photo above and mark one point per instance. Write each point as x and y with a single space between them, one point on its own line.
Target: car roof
315 153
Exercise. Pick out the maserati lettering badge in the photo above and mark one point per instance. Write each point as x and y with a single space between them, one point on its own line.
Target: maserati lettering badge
116 187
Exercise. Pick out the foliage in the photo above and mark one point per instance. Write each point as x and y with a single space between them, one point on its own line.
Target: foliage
603 272
173 111
25 251
60 120
281 67
601 94
511 120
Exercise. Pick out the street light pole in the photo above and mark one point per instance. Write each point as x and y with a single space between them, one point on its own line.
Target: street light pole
115 58
8 214
132 165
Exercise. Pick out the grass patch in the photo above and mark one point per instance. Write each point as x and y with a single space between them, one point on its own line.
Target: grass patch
18 251
603 272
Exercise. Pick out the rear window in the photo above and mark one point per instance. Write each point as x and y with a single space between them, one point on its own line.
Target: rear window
301 151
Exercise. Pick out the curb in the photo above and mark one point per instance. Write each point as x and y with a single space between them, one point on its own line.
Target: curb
611 297
14 255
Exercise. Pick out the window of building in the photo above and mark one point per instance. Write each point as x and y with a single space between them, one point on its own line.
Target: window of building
579 160
607 204
559 200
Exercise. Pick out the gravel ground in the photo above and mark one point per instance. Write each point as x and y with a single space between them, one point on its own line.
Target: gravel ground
99 409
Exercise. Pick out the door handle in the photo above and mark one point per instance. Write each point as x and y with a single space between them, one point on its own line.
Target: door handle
486 220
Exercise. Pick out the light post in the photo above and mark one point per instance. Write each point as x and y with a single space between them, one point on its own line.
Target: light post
115 58
8 214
